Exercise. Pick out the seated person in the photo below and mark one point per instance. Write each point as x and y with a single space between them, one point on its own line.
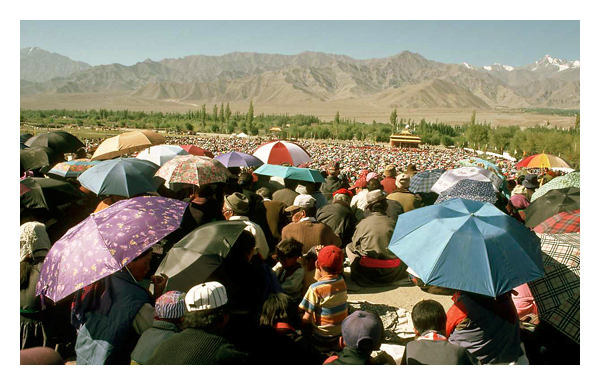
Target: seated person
431 346
290 273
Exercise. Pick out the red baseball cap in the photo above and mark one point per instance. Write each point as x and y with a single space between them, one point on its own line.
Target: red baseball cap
331 258
361 182
343 191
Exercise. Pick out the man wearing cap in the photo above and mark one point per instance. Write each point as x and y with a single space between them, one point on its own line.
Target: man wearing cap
339 216
305 228
333 182
235 208
371 262
402 194
389 181
202 342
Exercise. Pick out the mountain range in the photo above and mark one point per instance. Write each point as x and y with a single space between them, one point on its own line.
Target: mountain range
405 80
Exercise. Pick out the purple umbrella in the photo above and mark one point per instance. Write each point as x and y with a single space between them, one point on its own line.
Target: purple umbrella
238 159
105 242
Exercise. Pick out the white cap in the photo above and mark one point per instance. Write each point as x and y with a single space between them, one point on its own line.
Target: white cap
302 201
209 295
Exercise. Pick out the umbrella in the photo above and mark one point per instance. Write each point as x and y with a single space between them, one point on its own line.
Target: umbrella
72 168
474 190
105 242
59 141
564 222
238 159
161 154
195 150
122 176
423 181
557 293
196 256
295 173
38 157
24 138
541 161
450 177
569 180
127 143
281 151
467 245
46 193
498 177
192 169
553 202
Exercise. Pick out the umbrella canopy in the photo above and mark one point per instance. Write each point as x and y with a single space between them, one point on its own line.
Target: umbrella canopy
161 154
423 181
569 180
105 242
46 193
195 257
295 173
467 245
557 293
451 177
72 168
195 150
123 176
38 157
281 151
127 143
59 141
553 202
474 190
24 138
192 169
564 222
486 164
239 159
541 161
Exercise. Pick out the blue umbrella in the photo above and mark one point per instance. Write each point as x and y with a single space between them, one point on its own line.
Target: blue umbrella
239 159
122 176
467 245
295 173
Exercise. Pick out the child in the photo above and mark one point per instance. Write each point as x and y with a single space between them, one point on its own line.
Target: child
325 303
290 273
431 346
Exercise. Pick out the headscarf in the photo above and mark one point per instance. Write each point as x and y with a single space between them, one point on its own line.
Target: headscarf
34 240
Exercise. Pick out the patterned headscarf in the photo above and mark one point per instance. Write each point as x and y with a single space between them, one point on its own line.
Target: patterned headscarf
170 305
34 239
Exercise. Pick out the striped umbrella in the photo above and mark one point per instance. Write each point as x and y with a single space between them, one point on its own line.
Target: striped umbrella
423 181
281 151
563 222
541 161
569 180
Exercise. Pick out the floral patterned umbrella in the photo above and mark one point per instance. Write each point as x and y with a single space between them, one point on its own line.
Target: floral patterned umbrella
192 169
105 242
569 180
474 190
73 168
451 177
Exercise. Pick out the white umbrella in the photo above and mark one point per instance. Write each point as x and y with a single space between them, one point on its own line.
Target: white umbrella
451 177
281 151
161 154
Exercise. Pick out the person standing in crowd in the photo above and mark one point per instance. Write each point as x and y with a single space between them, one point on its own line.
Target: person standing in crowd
332 181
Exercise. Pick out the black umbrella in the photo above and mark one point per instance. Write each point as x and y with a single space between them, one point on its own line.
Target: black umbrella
47 193
195 257
59 141
551 203
39 157
24 138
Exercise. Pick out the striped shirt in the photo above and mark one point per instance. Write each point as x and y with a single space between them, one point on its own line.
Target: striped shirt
327 302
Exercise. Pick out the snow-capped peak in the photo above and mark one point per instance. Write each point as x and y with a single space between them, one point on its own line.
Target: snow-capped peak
548 62
488 68
508 68
468 65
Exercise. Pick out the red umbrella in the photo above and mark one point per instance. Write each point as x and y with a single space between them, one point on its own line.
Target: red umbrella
542 161
281 151
563 222
195 150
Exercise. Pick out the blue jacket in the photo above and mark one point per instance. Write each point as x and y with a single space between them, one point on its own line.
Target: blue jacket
108 337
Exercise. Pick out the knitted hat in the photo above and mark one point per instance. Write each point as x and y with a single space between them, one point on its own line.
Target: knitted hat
374 197
34 240
331 258
362 330
171 305
403 181
209 295
302 201
238 202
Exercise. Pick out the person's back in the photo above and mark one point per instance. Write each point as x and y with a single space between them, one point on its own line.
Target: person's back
310 234
339 216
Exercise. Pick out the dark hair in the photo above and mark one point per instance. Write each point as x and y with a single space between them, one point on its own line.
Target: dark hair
520 179
310 211
290 183
429 315
279 307
245 180
205 319
289 248
374 184
379 207
264 192
244 243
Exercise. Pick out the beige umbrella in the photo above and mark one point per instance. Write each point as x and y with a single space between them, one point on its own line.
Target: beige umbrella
127 143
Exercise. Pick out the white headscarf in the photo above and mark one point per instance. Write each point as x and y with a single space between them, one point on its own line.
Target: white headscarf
34 239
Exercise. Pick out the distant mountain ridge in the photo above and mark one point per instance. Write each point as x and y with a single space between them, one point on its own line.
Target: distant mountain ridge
405 80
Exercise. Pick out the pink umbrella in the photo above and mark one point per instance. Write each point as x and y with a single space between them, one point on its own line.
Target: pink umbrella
195 150
280 151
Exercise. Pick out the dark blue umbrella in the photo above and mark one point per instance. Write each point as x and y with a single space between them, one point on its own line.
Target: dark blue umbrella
122 176
238 159
467 245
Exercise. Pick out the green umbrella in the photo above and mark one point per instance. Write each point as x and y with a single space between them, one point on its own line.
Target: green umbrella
569 180
295 173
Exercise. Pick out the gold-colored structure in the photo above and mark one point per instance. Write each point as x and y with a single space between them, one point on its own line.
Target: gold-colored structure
405 139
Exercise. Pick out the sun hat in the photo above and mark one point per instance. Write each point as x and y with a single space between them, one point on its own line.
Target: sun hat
331 258
206 296
34 240
238 202
302 201
403 181
362 330
531 181
375 196
171 305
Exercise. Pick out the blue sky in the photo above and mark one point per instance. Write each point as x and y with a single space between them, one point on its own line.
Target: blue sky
516 43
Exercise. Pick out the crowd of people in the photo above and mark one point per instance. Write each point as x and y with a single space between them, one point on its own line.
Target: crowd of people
280 297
